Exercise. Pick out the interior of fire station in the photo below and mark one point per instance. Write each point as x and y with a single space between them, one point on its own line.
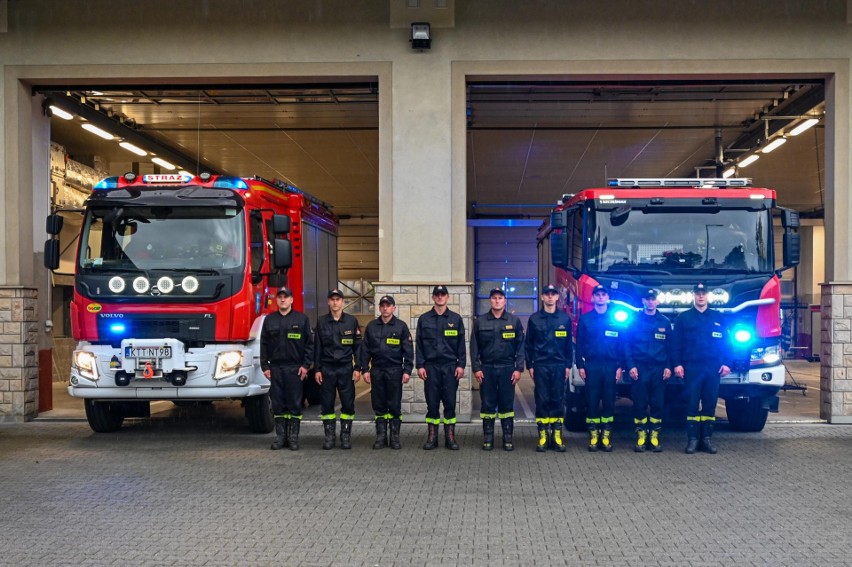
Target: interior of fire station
440 162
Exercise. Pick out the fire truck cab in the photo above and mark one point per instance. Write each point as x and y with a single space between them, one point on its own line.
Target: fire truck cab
174 275
669 234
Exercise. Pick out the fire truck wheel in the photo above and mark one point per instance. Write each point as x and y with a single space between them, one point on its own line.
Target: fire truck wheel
103 417
259 414
746 414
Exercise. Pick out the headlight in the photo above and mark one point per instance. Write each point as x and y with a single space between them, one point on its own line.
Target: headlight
141 285
116 284
86 364
769 355
189 284
165 284
227 363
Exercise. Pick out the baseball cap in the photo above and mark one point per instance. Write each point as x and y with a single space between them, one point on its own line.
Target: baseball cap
440 290
699 287
496 290
650 294
387 299
549 288
599 289
284 290
335 292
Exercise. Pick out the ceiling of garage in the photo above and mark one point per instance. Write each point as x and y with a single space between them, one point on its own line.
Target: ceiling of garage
528 142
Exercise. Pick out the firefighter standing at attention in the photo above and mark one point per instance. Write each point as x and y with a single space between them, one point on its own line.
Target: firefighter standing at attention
548 356
338 339
649 369
387 358
286 354
441 359
497 357
701 356
600 355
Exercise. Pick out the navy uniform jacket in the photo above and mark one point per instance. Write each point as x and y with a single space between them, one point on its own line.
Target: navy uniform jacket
337 341
498 342
440 339
548 339
648 340
700 338
286 339
600 339
387 345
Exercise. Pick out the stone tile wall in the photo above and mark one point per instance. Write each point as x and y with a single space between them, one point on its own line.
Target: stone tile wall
836 353
18 354
412 300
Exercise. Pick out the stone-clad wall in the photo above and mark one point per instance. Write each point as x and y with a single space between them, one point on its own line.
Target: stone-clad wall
836 354
18 354
412 300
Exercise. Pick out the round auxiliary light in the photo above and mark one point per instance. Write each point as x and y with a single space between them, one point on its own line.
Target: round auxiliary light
141 285
719 295
189 284
116 284
130 177
165 284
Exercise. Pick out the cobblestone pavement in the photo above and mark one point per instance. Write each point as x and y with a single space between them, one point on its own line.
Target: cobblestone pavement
201 491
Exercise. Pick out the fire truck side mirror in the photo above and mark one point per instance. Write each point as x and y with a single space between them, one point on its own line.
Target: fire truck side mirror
791 249
559 239
280 224
53 226
283 251
51 254
789 218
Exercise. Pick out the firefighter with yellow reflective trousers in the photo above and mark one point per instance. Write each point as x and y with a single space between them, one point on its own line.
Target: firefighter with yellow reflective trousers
549 349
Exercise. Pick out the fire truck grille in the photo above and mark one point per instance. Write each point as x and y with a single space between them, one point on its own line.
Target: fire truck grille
188 328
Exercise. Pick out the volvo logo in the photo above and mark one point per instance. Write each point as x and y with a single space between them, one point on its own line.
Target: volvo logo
111 315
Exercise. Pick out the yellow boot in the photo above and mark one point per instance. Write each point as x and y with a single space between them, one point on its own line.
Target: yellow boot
593 439
606 441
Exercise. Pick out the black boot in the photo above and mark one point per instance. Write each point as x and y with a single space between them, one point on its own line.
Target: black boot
508 425
345 433
706 438
543 439
692 437
329 428
431 437
487 433
394 433
293 434
449 436
381 433
280 434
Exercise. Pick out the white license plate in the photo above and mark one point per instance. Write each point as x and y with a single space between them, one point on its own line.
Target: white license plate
148 352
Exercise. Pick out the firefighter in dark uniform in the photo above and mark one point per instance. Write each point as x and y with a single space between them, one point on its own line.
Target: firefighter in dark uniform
701 356
387 358
600 356
549 350
338 339
286 354
441 358
650 368
497 356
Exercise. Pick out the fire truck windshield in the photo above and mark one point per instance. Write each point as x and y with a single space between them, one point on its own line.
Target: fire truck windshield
163 238
680 241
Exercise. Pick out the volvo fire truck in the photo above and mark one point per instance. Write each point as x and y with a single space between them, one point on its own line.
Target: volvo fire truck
669 234
174 275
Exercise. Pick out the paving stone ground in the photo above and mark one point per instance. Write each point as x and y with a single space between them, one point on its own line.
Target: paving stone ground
199 490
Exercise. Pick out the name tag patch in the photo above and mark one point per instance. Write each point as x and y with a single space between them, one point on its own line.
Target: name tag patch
295 336
451 333
347 341
562 334
508 335
717 335
611 333
660 336
391 341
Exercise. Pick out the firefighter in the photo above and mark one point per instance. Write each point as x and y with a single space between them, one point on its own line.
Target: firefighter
387 355
600 355
701 356
497 356
548 351
441 359
286 354
338 339
648 360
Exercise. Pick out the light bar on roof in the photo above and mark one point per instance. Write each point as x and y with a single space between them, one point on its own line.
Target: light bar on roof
639 182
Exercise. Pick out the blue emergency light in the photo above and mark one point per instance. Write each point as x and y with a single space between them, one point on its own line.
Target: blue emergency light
117 328
743 335
620 316
229 182
107 183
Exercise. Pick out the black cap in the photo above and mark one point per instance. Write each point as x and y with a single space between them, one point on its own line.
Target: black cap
699 287
650 294
440 290
496 290
549 288
284 290
335 292
387 299
599 289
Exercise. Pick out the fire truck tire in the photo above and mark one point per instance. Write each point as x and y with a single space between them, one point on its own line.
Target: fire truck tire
103 417
575 411
746 415
259 414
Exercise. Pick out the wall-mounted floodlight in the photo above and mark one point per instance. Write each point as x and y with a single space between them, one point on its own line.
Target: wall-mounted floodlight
421 35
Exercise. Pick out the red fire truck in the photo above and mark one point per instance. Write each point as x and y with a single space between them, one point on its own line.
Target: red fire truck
669 234
173 277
